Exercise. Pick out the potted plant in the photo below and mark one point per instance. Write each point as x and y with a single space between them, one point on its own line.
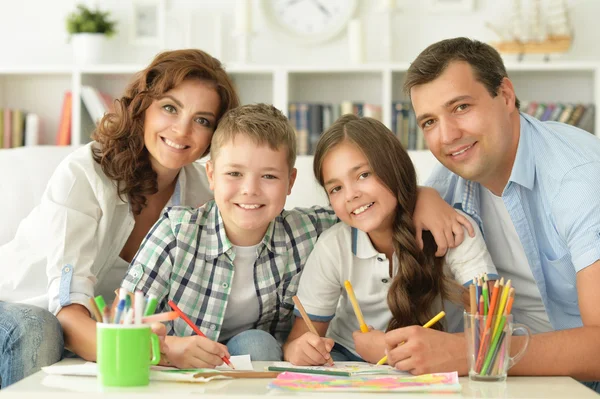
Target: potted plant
88 29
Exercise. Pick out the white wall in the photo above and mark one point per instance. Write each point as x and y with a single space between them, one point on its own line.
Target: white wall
32 31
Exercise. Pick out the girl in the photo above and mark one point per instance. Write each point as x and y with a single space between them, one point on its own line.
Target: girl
101 202
372 187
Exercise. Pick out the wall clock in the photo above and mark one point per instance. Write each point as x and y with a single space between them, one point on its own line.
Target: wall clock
309 21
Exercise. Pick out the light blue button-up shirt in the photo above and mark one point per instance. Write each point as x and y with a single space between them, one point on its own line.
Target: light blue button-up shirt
553 198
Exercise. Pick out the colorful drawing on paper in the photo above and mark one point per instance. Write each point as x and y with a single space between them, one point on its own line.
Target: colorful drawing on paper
439 382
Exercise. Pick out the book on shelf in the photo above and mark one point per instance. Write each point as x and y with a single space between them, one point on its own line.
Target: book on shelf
579 114
404 126
7 143
63 136
309 120
18 128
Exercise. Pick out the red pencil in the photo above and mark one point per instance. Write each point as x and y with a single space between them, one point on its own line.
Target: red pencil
193 326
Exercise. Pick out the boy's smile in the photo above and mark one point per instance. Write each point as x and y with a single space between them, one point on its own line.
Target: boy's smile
250 182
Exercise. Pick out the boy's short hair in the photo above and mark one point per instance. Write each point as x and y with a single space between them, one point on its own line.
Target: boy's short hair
262 123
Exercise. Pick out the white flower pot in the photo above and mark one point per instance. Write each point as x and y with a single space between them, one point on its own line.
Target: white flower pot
88 48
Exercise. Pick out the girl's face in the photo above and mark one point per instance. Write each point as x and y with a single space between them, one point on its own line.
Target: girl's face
357 196
179 125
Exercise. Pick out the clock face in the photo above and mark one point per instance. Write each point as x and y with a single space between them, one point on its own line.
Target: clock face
310 20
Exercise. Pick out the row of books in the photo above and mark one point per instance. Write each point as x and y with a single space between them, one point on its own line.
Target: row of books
18 128
311 119
580 115
94 104
404 126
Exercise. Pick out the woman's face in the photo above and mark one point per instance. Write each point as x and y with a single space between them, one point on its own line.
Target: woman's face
178 126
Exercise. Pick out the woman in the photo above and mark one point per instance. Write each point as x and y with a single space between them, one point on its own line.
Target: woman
101 202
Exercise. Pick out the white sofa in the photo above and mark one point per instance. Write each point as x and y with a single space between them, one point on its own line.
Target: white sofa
25 173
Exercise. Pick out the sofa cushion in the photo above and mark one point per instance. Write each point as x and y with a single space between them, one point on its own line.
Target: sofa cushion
25 173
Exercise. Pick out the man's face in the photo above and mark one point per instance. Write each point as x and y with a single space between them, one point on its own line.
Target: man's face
469 131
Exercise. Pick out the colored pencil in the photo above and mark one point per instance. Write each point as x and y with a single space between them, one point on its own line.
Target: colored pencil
166 316
95 311
431 322
502 304
511 298
307 321
194 327
361 321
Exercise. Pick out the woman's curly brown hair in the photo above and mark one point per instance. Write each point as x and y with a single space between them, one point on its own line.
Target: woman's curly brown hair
122 154
420 279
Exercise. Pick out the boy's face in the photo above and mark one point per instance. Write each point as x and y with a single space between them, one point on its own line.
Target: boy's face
250 183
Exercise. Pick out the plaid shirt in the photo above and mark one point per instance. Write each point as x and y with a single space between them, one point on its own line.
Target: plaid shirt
187 257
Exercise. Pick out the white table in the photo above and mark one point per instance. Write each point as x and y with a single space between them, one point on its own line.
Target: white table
41 385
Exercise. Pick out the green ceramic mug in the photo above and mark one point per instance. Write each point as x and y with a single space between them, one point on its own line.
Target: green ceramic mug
123 354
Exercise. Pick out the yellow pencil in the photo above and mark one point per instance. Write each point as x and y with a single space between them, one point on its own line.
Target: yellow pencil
503 299
431 322
361 321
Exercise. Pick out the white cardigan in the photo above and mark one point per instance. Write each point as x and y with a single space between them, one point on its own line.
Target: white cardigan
74 236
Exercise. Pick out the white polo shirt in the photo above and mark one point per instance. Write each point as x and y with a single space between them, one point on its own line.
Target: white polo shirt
345 253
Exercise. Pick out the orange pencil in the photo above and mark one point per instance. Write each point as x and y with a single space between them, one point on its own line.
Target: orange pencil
166 316
194 327
511 298
492 305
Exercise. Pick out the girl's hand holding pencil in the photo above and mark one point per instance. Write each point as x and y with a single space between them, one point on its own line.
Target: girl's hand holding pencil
309 349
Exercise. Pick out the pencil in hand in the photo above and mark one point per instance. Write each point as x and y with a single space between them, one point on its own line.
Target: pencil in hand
194 327
307 321
431 322
361 321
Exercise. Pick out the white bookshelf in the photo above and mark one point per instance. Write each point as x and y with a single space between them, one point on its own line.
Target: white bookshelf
40 89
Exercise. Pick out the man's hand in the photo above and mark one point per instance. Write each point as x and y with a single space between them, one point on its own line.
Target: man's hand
426 351
444 222
195 352
309 350
370 345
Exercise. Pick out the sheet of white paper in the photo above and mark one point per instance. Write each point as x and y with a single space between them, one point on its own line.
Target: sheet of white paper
242 362
90 368
86 369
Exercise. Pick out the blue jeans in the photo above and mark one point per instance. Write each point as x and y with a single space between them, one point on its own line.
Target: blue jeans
593 385
30 338
259 344
340 353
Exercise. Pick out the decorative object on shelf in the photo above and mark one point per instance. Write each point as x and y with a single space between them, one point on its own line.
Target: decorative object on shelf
387 9
243 28
446 6
148 23
545 32
356 41
88 30
309 21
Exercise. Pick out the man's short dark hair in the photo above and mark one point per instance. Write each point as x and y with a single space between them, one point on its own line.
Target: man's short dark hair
485 61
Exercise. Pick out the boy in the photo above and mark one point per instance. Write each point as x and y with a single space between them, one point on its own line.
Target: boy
233 264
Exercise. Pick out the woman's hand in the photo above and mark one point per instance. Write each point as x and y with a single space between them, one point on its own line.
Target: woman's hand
444 222
309 350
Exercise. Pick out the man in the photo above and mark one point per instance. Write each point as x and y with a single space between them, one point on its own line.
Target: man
533 188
